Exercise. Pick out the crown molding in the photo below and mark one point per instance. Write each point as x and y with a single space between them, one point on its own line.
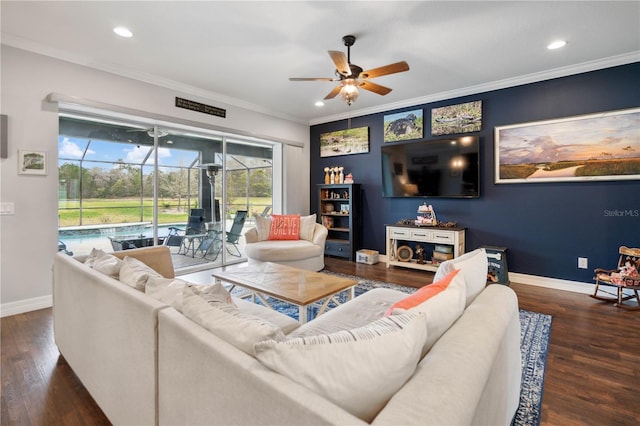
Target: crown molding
28 45
612 61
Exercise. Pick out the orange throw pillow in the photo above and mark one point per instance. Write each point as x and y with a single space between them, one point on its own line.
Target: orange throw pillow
285 227
425 293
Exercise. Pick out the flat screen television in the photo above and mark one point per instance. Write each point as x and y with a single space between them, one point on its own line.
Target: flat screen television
445 168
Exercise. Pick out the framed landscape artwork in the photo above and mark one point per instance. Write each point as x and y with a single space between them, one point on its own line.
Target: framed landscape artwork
344 142
460 118
32 162
403 126
603 146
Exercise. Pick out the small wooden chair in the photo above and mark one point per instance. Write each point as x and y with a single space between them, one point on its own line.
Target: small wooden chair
625 276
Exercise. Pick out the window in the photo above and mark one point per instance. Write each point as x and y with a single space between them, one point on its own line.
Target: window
108 184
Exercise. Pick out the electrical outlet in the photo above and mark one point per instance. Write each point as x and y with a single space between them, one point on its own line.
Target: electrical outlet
583 263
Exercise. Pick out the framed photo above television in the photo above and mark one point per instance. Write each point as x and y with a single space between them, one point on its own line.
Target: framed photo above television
443 168
403 126
460 118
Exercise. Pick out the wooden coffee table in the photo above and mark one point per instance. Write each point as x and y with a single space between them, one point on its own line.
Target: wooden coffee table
296 286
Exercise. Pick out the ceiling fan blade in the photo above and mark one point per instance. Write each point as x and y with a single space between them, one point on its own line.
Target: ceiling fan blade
313 79
341 62
385 70
334 92
373 87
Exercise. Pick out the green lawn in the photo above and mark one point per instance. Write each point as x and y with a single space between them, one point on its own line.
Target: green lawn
127 210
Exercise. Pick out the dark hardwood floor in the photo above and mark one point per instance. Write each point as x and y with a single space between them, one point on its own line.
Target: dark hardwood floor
592 378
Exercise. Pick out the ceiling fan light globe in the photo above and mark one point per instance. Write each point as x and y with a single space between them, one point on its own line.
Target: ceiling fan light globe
349 91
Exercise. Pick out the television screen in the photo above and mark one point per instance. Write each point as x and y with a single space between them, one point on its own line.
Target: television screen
447 168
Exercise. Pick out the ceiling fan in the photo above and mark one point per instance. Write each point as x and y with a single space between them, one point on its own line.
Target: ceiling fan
352 76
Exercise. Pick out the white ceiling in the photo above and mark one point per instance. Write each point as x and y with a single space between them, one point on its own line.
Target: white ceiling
243 53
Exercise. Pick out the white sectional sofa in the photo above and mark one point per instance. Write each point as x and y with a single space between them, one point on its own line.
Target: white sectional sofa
145 362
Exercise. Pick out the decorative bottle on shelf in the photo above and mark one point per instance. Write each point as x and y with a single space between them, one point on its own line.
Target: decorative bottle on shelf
326 176
341 179
333 176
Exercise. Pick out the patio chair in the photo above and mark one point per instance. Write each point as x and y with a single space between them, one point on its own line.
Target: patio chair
625 276
118 244
185 239
233 237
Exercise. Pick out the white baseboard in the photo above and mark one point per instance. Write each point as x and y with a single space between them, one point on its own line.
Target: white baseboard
27 305
552 283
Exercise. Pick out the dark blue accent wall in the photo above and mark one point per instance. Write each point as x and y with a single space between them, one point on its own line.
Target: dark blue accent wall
545 226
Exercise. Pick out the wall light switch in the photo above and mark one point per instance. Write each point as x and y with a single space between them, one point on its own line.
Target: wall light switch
6 209
583 263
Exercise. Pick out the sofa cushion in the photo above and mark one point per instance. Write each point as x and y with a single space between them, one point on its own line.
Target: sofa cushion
307 226
357 369
474 266
285 227
108 264
263 226
225 320
280 320
275 251
443 302
93 255
168 290
362 310
136 273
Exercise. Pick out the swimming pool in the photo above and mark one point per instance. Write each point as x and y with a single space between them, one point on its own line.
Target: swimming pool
80 240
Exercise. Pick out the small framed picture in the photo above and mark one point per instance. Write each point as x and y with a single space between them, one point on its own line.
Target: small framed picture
32 162
344 208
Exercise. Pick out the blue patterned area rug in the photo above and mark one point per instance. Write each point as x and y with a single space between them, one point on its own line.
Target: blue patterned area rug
535 330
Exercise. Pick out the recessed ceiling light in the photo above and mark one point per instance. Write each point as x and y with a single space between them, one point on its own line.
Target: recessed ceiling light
123 32
319 104
556 44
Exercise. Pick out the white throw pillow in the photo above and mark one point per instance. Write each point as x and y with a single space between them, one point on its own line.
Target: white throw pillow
474 266
442 301
359 369
108 264
226 321
307 226
168 290
136 273
93 255
263 226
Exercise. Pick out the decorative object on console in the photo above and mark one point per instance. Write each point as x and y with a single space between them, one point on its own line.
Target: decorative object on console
326 176
405 253
427 217
441 253
348 178
420 254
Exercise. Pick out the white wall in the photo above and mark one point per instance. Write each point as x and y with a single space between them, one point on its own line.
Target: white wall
29 237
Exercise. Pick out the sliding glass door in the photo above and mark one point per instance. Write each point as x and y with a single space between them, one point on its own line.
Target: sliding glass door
125 185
